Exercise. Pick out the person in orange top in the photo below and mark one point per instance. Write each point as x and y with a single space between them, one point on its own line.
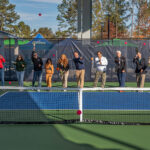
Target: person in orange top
49 72
2 61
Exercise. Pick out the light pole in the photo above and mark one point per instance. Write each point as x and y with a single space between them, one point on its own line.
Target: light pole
102 26
108 26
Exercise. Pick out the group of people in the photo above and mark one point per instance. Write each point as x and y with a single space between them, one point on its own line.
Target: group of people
63 68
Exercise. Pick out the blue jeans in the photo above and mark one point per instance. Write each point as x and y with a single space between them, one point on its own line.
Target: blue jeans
2 76
37 75
121 78
20 77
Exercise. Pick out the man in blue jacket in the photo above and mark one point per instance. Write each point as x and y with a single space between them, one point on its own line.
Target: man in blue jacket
80 69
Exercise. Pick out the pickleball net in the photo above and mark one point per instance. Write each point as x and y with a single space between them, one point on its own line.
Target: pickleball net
21 105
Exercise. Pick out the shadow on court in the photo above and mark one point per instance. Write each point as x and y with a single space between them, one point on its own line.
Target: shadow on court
35 137
102 136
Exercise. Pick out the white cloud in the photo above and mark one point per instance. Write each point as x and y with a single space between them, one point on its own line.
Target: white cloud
47 1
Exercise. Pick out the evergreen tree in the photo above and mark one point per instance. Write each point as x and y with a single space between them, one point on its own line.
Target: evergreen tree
46 32
67 17
21 30
97 20
8 16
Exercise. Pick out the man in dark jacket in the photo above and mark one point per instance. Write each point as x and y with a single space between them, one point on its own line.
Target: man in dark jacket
140 70
38 63
80 69
120 62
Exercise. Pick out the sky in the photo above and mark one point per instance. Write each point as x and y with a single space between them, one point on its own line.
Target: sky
29 10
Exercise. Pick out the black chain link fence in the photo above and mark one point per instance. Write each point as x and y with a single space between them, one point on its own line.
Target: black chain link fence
53 48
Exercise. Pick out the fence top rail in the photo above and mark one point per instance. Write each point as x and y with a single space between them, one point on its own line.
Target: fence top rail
74 89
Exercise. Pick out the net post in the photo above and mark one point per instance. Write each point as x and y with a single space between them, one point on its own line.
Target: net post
81 104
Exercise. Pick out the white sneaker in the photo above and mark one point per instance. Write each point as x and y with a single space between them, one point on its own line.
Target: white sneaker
38 90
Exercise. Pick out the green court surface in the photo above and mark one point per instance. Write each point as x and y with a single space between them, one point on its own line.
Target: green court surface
60 116
74 137
108 136
74 84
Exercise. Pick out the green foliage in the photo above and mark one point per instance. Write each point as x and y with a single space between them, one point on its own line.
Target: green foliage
142 25
97 19
46 32
67 18
21 30
118 10
8 16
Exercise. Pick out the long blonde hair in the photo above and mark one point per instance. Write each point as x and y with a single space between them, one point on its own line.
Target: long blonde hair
64 61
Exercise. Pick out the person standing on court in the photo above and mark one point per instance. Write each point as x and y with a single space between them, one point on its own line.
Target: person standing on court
38 63
101 64
63 68
20 67
49 68
140 70
120 62
80 69
2 61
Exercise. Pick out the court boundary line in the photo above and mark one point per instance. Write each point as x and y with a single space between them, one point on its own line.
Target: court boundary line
83 109
4 94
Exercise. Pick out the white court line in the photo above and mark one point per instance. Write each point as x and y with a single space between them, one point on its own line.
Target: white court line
84 109
3 94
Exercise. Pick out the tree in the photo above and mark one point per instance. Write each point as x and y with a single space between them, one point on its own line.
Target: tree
21 30
46 32
97 20
142 28
8 16
33 32
61 34
118 11
67 17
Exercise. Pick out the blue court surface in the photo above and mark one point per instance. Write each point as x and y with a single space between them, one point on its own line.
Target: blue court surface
69 100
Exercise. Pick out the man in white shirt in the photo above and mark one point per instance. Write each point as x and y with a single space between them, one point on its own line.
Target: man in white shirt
101 64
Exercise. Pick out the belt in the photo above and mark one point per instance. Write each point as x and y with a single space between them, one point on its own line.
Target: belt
101 71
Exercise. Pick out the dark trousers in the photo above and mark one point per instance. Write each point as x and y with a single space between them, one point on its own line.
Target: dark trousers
37 75
121 78
2 76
